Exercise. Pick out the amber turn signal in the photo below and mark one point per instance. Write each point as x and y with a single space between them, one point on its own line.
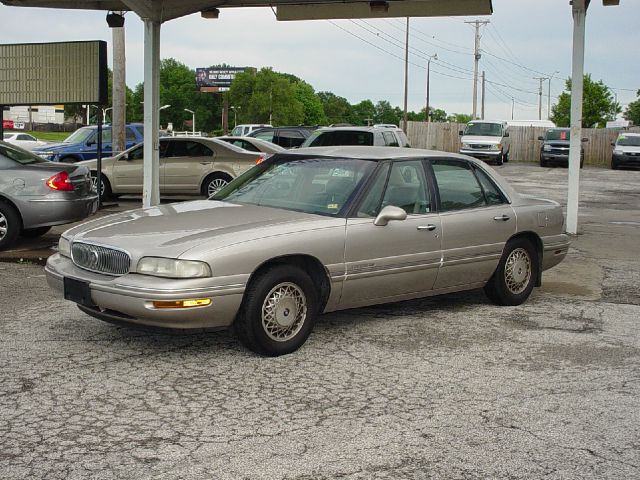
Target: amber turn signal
189 303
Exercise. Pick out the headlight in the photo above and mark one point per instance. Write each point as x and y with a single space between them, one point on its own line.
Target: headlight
46 154
466 145
64 247
617 151
497 146
547 148
173 268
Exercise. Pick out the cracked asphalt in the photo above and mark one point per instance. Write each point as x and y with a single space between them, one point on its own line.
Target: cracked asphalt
445 387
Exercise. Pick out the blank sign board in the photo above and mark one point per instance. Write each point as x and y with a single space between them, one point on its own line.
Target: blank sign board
53 73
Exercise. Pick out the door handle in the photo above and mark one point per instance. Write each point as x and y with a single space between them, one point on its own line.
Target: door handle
431 227
503 218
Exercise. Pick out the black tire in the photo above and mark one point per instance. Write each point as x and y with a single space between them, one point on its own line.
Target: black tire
68 160
614 165
500 159
267 335
515 277
505 158
10 225
34 232
214 182
543 163
105 189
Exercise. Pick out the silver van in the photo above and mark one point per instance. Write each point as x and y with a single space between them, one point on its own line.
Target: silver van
486 140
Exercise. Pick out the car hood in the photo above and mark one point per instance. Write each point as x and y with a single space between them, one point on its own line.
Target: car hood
173 229
52 147
480 139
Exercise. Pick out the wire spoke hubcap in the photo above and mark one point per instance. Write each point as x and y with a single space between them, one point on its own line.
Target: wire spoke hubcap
215 185
517 271
3 226
284 312
94 184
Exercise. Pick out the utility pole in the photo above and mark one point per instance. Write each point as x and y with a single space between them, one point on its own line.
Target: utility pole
406 78
476 57
540 79
513 104
549 95
483 90
426 110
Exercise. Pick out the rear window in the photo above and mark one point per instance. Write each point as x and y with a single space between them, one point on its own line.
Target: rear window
19 155
339 137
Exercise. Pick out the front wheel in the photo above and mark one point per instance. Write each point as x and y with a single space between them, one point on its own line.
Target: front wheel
278 311
500 159
215 182
513 280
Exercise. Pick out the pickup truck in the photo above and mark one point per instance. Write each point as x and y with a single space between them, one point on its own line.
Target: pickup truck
83 144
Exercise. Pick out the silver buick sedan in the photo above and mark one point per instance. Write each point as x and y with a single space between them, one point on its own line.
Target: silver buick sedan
312 231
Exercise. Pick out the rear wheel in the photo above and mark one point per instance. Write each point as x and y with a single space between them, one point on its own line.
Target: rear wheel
34 232
215 182
513 280
278 311
10 225
105 186
68 160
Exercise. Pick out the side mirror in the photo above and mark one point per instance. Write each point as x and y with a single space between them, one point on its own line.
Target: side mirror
125 156
541 138
506 134
613 144
389 213
585 139
460 133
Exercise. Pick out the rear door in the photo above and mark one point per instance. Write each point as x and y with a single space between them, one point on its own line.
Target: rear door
398 259
477 221
185 166
128 171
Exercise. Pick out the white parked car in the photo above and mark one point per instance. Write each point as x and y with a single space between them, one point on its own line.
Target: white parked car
486 140
244 130
24 140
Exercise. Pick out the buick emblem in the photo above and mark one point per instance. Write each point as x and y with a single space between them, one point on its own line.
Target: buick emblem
94 256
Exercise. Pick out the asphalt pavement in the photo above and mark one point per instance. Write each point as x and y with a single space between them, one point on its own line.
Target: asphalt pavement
445 387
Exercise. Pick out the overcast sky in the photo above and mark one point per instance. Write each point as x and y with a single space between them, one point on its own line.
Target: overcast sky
525 39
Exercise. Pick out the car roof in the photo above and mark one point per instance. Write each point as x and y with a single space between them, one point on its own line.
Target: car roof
629 134
368 152
357 129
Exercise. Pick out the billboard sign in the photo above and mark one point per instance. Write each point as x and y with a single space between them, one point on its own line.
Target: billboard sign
53 73
217 79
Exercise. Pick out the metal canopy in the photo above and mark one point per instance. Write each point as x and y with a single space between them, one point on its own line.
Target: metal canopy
155 12
163 10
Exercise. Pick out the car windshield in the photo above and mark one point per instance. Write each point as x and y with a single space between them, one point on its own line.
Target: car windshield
315 185
19 155
339 137
236 132
80 136
558 134
628 141
483 129
8 136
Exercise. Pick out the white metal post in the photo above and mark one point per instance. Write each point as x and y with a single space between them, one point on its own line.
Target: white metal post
579 10
151 181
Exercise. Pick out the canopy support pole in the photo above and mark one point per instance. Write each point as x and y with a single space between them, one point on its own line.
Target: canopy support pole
151 180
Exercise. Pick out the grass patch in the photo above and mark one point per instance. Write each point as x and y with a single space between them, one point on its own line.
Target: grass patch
51 136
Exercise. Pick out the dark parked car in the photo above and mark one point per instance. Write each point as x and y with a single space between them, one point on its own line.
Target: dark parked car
83 144
287 137
377 136
555 147
36 194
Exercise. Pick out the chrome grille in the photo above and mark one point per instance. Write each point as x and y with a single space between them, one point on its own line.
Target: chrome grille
100 259
478 146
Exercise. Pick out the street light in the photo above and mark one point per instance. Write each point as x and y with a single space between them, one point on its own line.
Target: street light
193 120
235 116
431 57
163 107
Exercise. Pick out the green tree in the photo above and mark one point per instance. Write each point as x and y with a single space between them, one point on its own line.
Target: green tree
362 113
385 113
268 96
336 109
598 105
311 104
632 113
459 118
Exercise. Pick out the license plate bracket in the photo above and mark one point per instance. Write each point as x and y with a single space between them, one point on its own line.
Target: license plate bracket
77 291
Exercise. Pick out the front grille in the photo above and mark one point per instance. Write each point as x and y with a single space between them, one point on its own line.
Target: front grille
478 146
100 259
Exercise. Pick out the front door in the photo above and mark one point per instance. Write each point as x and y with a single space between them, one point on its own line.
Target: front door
399 259
185 165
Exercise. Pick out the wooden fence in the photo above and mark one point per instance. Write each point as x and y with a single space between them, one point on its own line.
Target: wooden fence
525 146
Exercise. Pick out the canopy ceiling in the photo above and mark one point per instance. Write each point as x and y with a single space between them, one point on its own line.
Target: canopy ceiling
163 10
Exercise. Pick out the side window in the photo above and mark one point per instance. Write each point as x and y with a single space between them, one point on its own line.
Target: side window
106 135
458 186
407 188
23 136
136 153
491 193
268 136
130 135
247 146
390 139
290 138
370 206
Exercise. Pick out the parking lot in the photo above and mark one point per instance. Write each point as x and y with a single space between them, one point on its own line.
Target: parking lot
444 387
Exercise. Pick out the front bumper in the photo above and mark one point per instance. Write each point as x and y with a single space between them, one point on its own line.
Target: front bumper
626 160
481 154
47 211
128 298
